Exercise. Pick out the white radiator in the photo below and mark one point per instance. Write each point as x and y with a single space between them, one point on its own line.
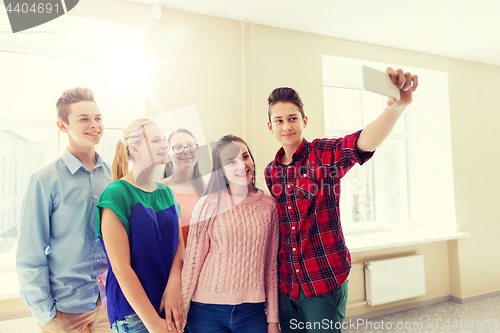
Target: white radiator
394 279
24 324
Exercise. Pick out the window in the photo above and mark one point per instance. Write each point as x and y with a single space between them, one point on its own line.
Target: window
25 153
409 181
383 177
40 69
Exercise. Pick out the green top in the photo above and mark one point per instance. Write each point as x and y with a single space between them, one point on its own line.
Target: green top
121 196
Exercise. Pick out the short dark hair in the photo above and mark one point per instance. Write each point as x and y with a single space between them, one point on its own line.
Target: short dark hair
285 95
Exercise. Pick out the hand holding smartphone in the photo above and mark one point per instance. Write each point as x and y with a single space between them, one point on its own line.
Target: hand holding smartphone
379 82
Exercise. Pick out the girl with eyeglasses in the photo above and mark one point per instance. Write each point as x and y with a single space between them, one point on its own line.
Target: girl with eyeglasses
182 173
229 276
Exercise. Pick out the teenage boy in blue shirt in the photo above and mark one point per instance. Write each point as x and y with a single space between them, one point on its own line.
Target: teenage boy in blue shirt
60 263
304 177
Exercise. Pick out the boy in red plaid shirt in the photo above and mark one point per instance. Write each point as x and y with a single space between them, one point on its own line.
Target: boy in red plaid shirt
304 177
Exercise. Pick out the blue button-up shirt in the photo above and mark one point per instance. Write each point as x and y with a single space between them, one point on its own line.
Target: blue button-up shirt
60 262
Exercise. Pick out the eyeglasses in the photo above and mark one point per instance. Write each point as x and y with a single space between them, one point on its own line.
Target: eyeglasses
179 149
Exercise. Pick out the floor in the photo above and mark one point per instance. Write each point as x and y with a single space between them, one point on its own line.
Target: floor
478 316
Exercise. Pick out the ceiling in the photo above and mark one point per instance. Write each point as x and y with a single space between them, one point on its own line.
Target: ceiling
462 29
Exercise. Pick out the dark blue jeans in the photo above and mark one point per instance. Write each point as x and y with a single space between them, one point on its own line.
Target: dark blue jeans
219 318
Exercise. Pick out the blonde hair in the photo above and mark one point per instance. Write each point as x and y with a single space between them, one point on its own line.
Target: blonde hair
69 97
132 134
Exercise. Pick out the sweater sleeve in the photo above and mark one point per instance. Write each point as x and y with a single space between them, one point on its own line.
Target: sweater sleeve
271 274
197 248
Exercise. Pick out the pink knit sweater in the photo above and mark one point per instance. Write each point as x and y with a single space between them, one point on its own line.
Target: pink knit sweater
231 256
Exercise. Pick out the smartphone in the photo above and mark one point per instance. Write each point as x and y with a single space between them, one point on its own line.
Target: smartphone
379 82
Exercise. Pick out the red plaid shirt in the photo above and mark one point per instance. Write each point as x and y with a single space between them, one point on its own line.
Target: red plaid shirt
313 254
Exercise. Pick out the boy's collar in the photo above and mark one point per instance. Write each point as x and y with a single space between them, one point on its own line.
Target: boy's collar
297 155
74 163
98 160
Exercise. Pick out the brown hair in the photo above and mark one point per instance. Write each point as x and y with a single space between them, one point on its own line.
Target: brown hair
69 97
285 95
133 133
218 180
198 182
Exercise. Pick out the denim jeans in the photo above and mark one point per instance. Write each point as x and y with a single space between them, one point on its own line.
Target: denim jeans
129 324
220 318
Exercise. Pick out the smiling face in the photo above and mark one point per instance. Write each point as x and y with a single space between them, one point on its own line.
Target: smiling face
84 127
185 143
287 124
237 164
154 151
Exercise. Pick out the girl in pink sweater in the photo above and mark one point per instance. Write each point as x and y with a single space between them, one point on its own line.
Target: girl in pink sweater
229 277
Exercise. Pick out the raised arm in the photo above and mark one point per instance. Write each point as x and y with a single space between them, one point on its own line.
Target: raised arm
377 131
116 240
33 248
